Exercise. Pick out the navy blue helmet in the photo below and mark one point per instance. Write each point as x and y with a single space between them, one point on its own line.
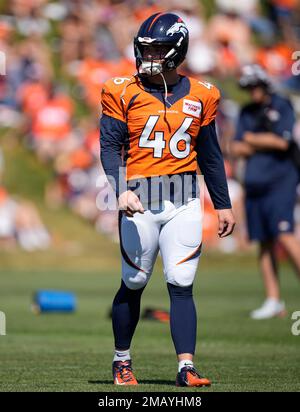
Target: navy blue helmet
161 44
254 75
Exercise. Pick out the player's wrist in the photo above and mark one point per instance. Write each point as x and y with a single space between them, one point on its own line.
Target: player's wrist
223 207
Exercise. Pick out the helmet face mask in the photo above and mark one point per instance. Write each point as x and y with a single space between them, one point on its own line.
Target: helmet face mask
161 44
153 60
155 52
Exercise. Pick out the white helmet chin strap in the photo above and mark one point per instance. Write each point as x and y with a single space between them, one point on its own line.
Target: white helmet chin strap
166 88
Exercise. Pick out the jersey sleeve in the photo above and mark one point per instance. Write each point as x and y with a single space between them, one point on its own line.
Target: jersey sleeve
113 134
210 161
111 100
211 98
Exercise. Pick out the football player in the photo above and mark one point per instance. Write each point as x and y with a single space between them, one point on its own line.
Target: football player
164 123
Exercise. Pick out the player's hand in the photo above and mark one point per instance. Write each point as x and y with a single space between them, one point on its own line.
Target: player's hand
129 203
226 222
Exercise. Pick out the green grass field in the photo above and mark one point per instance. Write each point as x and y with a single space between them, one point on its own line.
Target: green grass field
74 352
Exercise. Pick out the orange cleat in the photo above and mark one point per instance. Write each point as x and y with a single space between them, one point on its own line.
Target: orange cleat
122 373
188 376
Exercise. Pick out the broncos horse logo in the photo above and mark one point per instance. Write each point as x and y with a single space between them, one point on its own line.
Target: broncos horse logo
178 27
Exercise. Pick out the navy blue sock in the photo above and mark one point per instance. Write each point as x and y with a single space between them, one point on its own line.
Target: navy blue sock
125 315
183 318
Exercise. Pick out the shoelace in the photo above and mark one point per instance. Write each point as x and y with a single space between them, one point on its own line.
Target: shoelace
125 372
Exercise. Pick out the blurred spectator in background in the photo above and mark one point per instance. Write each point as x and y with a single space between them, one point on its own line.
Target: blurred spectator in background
251 12
201 56
20 222
282 13
231 36
52 126
263 136
275 58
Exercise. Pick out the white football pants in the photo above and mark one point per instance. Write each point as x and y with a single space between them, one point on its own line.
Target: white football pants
174 230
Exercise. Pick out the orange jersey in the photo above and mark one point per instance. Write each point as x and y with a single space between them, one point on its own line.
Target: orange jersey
162 137
33 97
53 119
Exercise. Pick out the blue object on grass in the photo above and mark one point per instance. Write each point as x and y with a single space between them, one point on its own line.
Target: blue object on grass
54 301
